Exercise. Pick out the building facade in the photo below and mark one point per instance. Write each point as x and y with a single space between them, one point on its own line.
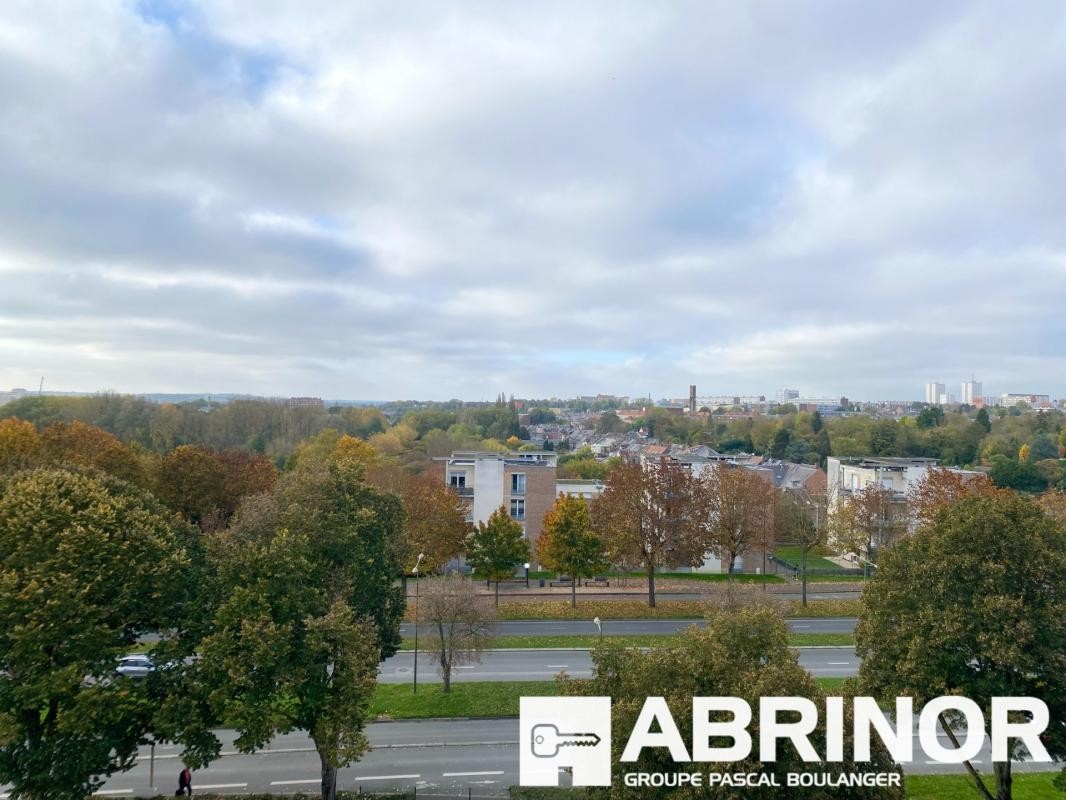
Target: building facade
522 483
933 391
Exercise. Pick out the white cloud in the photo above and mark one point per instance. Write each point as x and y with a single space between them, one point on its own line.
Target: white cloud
372 199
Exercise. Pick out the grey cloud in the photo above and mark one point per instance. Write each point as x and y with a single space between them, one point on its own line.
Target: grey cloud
354 199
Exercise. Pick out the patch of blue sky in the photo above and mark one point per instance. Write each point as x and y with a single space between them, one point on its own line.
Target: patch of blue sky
251 71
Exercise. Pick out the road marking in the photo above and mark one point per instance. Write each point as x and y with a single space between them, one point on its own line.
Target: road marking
384 777
797 627
468 666
472 774
556 666
838 663
306 781
110 791
222 786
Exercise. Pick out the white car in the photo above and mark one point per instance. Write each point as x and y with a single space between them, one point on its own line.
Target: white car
135 666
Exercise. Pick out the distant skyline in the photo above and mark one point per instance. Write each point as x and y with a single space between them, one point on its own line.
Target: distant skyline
371 200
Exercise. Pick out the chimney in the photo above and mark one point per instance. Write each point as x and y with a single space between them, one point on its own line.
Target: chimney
692 399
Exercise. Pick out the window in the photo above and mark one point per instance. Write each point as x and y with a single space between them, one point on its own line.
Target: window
518 483
518 509
457 479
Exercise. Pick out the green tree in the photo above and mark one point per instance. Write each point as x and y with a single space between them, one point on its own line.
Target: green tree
568 544
973 604
743 652
609 422
497 548
779 446
1022 476
87 564
883 438
308 604
20 446
982 420
1042 447
930 417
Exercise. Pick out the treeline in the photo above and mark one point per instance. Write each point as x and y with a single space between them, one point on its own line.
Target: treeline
1023 445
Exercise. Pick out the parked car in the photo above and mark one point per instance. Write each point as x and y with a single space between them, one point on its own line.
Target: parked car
135 665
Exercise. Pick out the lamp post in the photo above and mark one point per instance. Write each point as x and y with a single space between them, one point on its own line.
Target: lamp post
599 627
418 563
526 565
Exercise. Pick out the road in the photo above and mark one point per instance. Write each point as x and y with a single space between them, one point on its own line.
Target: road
619 627
542 665
438 756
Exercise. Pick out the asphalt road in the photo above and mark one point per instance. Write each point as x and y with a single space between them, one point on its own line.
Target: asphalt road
443 757
619 627
542 665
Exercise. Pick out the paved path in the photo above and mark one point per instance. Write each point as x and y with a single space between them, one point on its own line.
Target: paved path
542 665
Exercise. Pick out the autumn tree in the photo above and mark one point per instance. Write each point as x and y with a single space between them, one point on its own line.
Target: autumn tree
567 543
868 522
20 445
794 526
191 480
739 505
496 548
244 473
972 605
652 515
459 620
435 522
80 445
939 489
308 604
87 565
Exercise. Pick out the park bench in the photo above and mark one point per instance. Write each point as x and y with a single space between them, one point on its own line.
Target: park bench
564 580
599 580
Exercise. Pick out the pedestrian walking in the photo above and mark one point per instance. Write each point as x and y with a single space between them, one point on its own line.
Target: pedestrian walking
184 783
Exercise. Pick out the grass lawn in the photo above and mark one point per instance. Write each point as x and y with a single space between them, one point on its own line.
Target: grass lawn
475 699
794 556
712 577
637 608
1026 785
636 640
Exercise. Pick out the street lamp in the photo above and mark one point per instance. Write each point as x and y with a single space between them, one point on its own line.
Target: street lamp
418 563
599 627
526 565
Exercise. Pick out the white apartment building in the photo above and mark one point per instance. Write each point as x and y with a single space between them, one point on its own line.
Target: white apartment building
783 396
933 391
971 392
848 476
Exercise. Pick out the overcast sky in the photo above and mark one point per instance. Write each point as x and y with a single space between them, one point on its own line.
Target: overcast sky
433 200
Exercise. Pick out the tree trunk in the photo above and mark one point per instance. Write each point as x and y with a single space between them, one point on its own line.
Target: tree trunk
573 592
329 779
446 676
651 586
497 594
803 563
1003 780
732 562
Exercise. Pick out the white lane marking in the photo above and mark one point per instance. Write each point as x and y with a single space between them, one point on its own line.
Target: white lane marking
110 791
797 627
222 786
306 781
556 666
468 666
838 663
383 777
472 774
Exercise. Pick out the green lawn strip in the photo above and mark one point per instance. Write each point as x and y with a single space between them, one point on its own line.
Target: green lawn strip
711 577
564 641
794 556
637 608
1027 786
472 699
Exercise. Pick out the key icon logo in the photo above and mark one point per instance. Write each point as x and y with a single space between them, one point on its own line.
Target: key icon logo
568 735
547 740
